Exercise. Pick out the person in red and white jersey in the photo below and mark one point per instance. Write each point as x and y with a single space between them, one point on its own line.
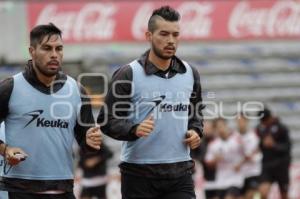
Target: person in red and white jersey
209 172
251 164
226 153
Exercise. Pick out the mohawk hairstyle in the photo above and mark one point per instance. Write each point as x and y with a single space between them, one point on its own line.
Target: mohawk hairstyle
165 12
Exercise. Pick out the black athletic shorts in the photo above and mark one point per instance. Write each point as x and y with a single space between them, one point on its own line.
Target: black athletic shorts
98 192
19 195
213 193
251 183
231 191
136 187
278 174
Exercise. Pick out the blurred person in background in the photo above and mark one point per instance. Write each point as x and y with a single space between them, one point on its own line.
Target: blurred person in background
3 194
224 154
42 122
159 133
94 169
209 172
275 145
251 164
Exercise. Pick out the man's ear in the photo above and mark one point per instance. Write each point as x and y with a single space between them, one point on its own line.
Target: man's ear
31 51
148 35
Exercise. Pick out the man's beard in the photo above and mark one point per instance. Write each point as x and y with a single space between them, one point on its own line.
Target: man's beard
159 53
45 72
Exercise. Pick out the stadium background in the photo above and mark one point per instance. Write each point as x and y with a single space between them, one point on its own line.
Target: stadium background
245 51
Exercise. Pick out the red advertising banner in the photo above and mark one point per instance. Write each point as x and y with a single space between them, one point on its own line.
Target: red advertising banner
84 21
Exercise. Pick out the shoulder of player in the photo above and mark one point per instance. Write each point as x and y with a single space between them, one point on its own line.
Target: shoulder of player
123 73
6 87
6 83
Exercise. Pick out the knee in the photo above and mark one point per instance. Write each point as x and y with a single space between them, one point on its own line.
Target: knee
264 190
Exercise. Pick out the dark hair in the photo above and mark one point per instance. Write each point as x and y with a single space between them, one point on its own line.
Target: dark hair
264 114
38 33
165 12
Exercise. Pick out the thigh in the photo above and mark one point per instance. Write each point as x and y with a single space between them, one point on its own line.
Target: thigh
282 178
135 187
181 188
264 189
179 195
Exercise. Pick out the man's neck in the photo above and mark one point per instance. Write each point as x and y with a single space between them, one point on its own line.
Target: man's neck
47 81
162 64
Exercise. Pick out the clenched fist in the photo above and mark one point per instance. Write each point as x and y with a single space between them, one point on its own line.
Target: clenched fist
145 128
94 137
14 155
193 139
